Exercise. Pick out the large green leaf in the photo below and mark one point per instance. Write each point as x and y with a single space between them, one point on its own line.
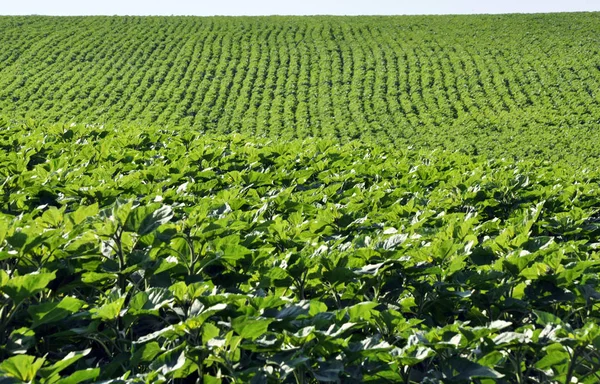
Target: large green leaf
3 229
22 367
469 370
108 311
362 311
207 379
84 212
145 353
96 277
4 278
21 340
54 311
52 371
250 328
555 358
82 376
150 301
189 325
169 362
545 318
53 217
145 219
22 287
329 371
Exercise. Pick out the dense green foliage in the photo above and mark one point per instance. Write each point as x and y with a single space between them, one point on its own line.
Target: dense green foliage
162 254
527 82
300 199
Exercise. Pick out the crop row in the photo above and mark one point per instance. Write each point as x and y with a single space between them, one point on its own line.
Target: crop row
427 81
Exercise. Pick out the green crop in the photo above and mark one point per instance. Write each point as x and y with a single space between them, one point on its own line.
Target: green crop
160 255
300 199
505 86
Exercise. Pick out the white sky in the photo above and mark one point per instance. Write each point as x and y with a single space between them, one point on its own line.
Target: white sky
287 7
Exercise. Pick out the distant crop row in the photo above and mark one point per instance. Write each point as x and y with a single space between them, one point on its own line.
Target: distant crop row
429 81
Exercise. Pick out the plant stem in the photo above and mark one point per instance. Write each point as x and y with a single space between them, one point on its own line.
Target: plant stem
572 365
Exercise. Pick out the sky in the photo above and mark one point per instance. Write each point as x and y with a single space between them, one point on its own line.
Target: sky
286 7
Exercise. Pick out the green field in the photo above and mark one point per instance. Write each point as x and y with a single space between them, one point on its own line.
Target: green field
300 199
529 82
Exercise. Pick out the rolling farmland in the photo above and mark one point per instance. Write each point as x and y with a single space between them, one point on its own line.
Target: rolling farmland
455 82
300 199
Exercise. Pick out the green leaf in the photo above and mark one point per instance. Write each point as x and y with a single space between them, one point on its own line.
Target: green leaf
34 240
166 264
362 311
414 354
169 362
84 212
207 379
393 241
553 359
250 328
145 219
316 307
22 367
189 367
196 321
190 324
209 332
96 277
150 301
329 371
491 359
294 310
179 291
120 211
109 311
290 365
511 337
90 374
52 312
53 217
22 287
535 271
234 252
69 359
3 230
4 278
470 370
545 318
20 341
145 353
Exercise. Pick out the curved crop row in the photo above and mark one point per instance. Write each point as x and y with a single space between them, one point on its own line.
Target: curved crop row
458 82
